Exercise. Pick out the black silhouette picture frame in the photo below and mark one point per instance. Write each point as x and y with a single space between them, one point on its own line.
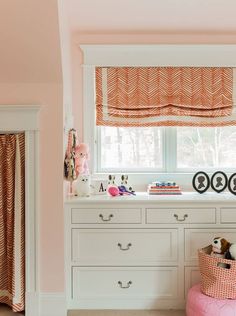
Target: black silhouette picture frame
219 181
232 183
201 182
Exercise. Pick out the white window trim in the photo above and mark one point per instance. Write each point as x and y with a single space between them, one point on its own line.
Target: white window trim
144 55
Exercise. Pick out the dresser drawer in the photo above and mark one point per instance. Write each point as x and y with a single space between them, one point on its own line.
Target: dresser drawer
228 215
180 216
106 216
124 246
199 238
124 283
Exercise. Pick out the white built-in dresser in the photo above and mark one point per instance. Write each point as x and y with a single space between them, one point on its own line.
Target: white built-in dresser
140 252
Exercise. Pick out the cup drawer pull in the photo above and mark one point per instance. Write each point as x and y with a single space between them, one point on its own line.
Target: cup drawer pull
106 219
126 286
124 249
181 219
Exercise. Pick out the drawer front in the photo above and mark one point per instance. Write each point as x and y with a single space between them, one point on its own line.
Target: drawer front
124 247
180 216
106 216
199 238
192 277
125 283
228 215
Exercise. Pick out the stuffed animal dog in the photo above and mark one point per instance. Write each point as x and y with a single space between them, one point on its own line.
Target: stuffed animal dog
219 247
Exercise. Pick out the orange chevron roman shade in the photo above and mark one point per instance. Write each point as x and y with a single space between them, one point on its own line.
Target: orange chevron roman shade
164 96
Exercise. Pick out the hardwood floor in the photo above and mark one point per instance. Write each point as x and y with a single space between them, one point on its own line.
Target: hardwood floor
6 311
126 313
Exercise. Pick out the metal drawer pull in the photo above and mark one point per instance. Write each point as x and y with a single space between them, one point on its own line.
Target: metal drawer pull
124 249
181 219
106 219
124 287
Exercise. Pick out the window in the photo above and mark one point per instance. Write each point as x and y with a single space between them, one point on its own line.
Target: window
206 147
169 149
130 148
178 149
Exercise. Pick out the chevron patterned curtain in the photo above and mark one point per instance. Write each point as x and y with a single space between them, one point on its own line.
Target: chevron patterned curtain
12 219
164 96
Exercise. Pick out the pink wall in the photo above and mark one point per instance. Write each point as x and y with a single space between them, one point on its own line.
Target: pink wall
31 73
129 38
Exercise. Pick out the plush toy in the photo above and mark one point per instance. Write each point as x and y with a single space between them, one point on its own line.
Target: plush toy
81 159
231 253
113 190
124 191
82 185
220 246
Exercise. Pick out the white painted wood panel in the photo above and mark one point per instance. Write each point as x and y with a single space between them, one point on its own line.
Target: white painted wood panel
192 277
125 283
124 247
228 215
199 238
180 216
105 216
160 55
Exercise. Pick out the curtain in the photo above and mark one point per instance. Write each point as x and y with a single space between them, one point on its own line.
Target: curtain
12 221
164 96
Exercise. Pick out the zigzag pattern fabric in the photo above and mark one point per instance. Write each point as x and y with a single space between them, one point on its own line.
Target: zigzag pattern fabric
12 219
164 96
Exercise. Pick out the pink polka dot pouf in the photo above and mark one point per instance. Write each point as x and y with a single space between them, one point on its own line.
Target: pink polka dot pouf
199 304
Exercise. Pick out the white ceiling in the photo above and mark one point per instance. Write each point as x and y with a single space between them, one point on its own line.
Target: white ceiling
149 16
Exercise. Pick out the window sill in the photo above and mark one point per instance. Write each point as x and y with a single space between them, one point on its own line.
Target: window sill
145 197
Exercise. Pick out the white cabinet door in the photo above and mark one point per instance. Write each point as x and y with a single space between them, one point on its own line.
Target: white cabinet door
124 283
199 238
124 246
180 216
192 277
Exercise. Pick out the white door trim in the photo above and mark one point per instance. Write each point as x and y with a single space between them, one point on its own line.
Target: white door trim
16 118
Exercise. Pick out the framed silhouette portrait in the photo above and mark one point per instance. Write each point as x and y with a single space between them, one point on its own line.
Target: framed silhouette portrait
232 183
201 182
219 181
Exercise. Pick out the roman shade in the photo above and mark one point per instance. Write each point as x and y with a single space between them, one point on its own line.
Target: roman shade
165 96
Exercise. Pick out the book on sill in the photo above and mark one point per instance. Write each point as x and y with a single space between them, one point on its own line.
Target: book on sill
164 188
164 184
166 193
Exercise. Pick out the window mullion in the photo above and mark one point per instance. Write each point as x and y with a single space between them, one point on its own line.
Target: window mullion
170 149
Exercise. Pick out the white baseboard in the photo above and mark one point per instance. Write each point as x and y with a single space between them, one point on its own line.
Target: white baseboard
31 304
53 304
127 304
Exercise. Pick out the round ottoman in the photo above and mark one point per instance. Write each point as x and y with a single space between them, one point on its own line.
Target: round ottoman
199 304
